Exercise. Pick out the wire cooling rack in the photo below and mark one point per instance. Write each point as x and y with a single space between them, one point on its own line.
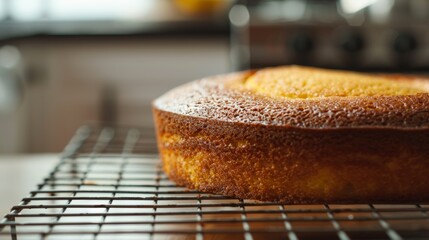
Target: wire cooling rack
109 185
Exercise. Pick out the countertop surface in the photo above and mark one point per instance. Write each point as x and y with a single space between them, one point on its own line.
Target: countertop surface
20 174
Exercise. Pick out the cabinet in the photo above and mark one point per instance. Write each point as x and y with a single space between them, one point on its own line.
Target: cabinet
71 81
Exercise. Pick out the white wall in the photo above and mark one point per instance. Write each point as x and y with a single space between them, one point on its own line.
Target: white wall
67 79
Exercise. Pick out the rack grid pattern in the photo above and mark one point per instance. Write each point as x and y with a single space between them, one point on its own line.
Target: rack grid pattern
109 185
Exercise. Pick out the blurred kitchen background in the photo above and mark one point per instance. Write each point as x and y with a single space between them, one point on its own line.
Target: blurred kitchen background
64 63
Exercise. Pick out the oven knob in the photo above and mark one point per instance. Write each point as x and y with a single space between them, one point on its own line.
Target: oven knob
301 43
352 42
404 43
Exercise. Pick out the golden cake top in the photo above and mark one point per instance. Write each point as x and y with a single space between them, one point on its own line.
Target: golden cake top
296 82
303 97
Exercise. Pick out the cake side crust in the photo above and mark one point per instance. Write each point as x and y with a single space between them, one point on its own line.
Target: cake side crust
294 165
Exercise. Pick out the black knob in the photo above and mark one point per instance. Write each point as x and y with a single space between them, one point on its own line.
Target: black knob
301 43
404 42
352 42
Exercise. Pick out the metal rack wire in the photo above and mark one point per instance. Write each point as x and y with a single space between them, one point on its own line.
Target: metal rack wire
109 185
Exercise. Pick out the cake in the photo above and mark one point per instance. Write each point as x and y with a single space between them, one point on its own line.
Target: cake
299 135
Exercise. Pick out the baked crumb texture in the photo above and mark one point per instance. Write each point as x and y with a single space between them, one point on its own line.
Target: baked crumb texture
296 82
279 135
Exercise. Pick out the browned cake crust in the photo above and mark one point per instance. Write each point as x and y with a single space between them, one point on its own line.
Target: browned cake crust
217 137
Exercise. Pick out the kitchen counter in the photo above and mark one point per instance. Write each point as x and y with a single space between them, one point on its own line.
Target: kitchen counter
10 30
19 174
160 17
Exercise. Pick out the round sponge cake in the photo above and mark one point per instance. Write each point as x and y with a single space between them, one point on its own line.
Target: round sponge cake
299 135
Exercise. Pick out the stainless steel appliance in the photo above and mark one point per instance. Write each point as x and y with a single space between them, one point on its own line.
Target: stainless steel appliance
379 35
